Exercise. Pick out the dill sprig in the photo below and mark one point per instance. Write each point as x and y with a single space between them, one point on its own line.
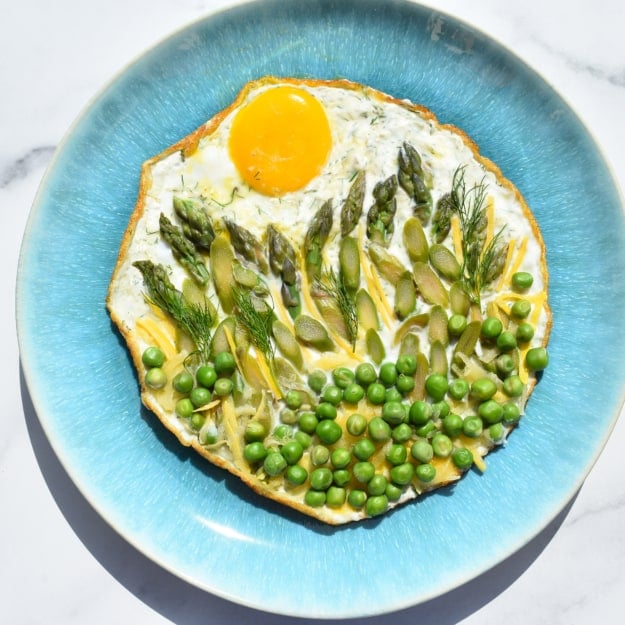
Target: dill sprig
257 319
331 283
193 318
481 262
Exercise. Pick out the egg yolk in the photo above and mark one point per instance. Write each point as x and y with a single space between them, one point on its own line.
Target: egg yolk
280 140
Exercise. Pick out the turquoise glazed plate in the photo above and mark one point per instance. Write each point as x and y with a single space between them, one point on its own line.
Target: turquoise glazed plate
196 520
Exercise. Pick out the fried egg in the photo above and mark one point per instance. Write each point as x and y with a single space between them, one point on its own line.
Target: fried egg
323 227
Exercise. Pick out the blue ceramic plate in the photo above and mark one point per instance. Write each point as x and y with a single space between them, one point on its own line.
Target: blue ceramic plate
199 522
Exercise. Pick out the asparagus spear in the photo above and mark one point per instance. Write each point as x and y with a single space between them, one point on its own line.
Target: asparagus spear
194 318
380 219
183 250
282 261
316 237
246 244
352 207
412 181
197 225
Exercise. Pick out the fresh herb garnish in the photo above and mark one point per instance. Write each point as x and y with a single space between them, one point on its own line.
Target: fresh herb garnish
481 262
332 285
193 318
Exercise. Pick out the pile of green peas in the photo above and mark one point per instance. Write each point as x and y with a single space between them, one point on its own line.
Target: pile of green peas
211 380
367 462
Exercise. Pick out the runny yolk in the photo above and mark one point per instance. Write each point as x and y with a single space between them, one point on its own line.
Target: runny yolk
280 140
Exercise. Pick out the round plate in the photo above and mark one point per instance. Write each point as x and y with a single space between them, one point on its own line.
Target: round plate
198 521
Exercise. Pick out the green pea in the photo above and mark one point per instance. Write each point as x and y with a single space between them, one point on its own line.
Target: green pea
513 386
511 413
356 498
491 327
505 364
524 332
326 410
353 393
376 393
377 485
224 363
420 412
456 324
363 449
405 383
376 505
296 474
254 452
401 433
315 498
336 496
292 451
496 432
491 411
308 422
379 430
288 416
425 472
342 377
274 463
206 376
392 492
452 424
521 309
200 396
223 387
366 374
363 471
332 395
304 439
522 280
340 457
406 364
393 412
293 399
317 380
356 424
183 382
422 451
328 431
320 478
442 445
458 389
402 473
184 408
156 378
396 454
462 458
472 426
537 358
153 357
388 373
483 389
341 477
392 394
283 432
506 341
320 455
440 409
436 386
426 430
254 431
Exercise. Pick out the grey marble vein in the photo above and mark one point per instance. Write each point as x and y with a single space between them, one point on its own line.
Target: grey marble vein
21 167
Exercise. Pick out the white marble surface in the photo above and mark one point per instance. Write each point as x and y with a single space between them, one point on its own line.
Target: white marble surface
59 562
